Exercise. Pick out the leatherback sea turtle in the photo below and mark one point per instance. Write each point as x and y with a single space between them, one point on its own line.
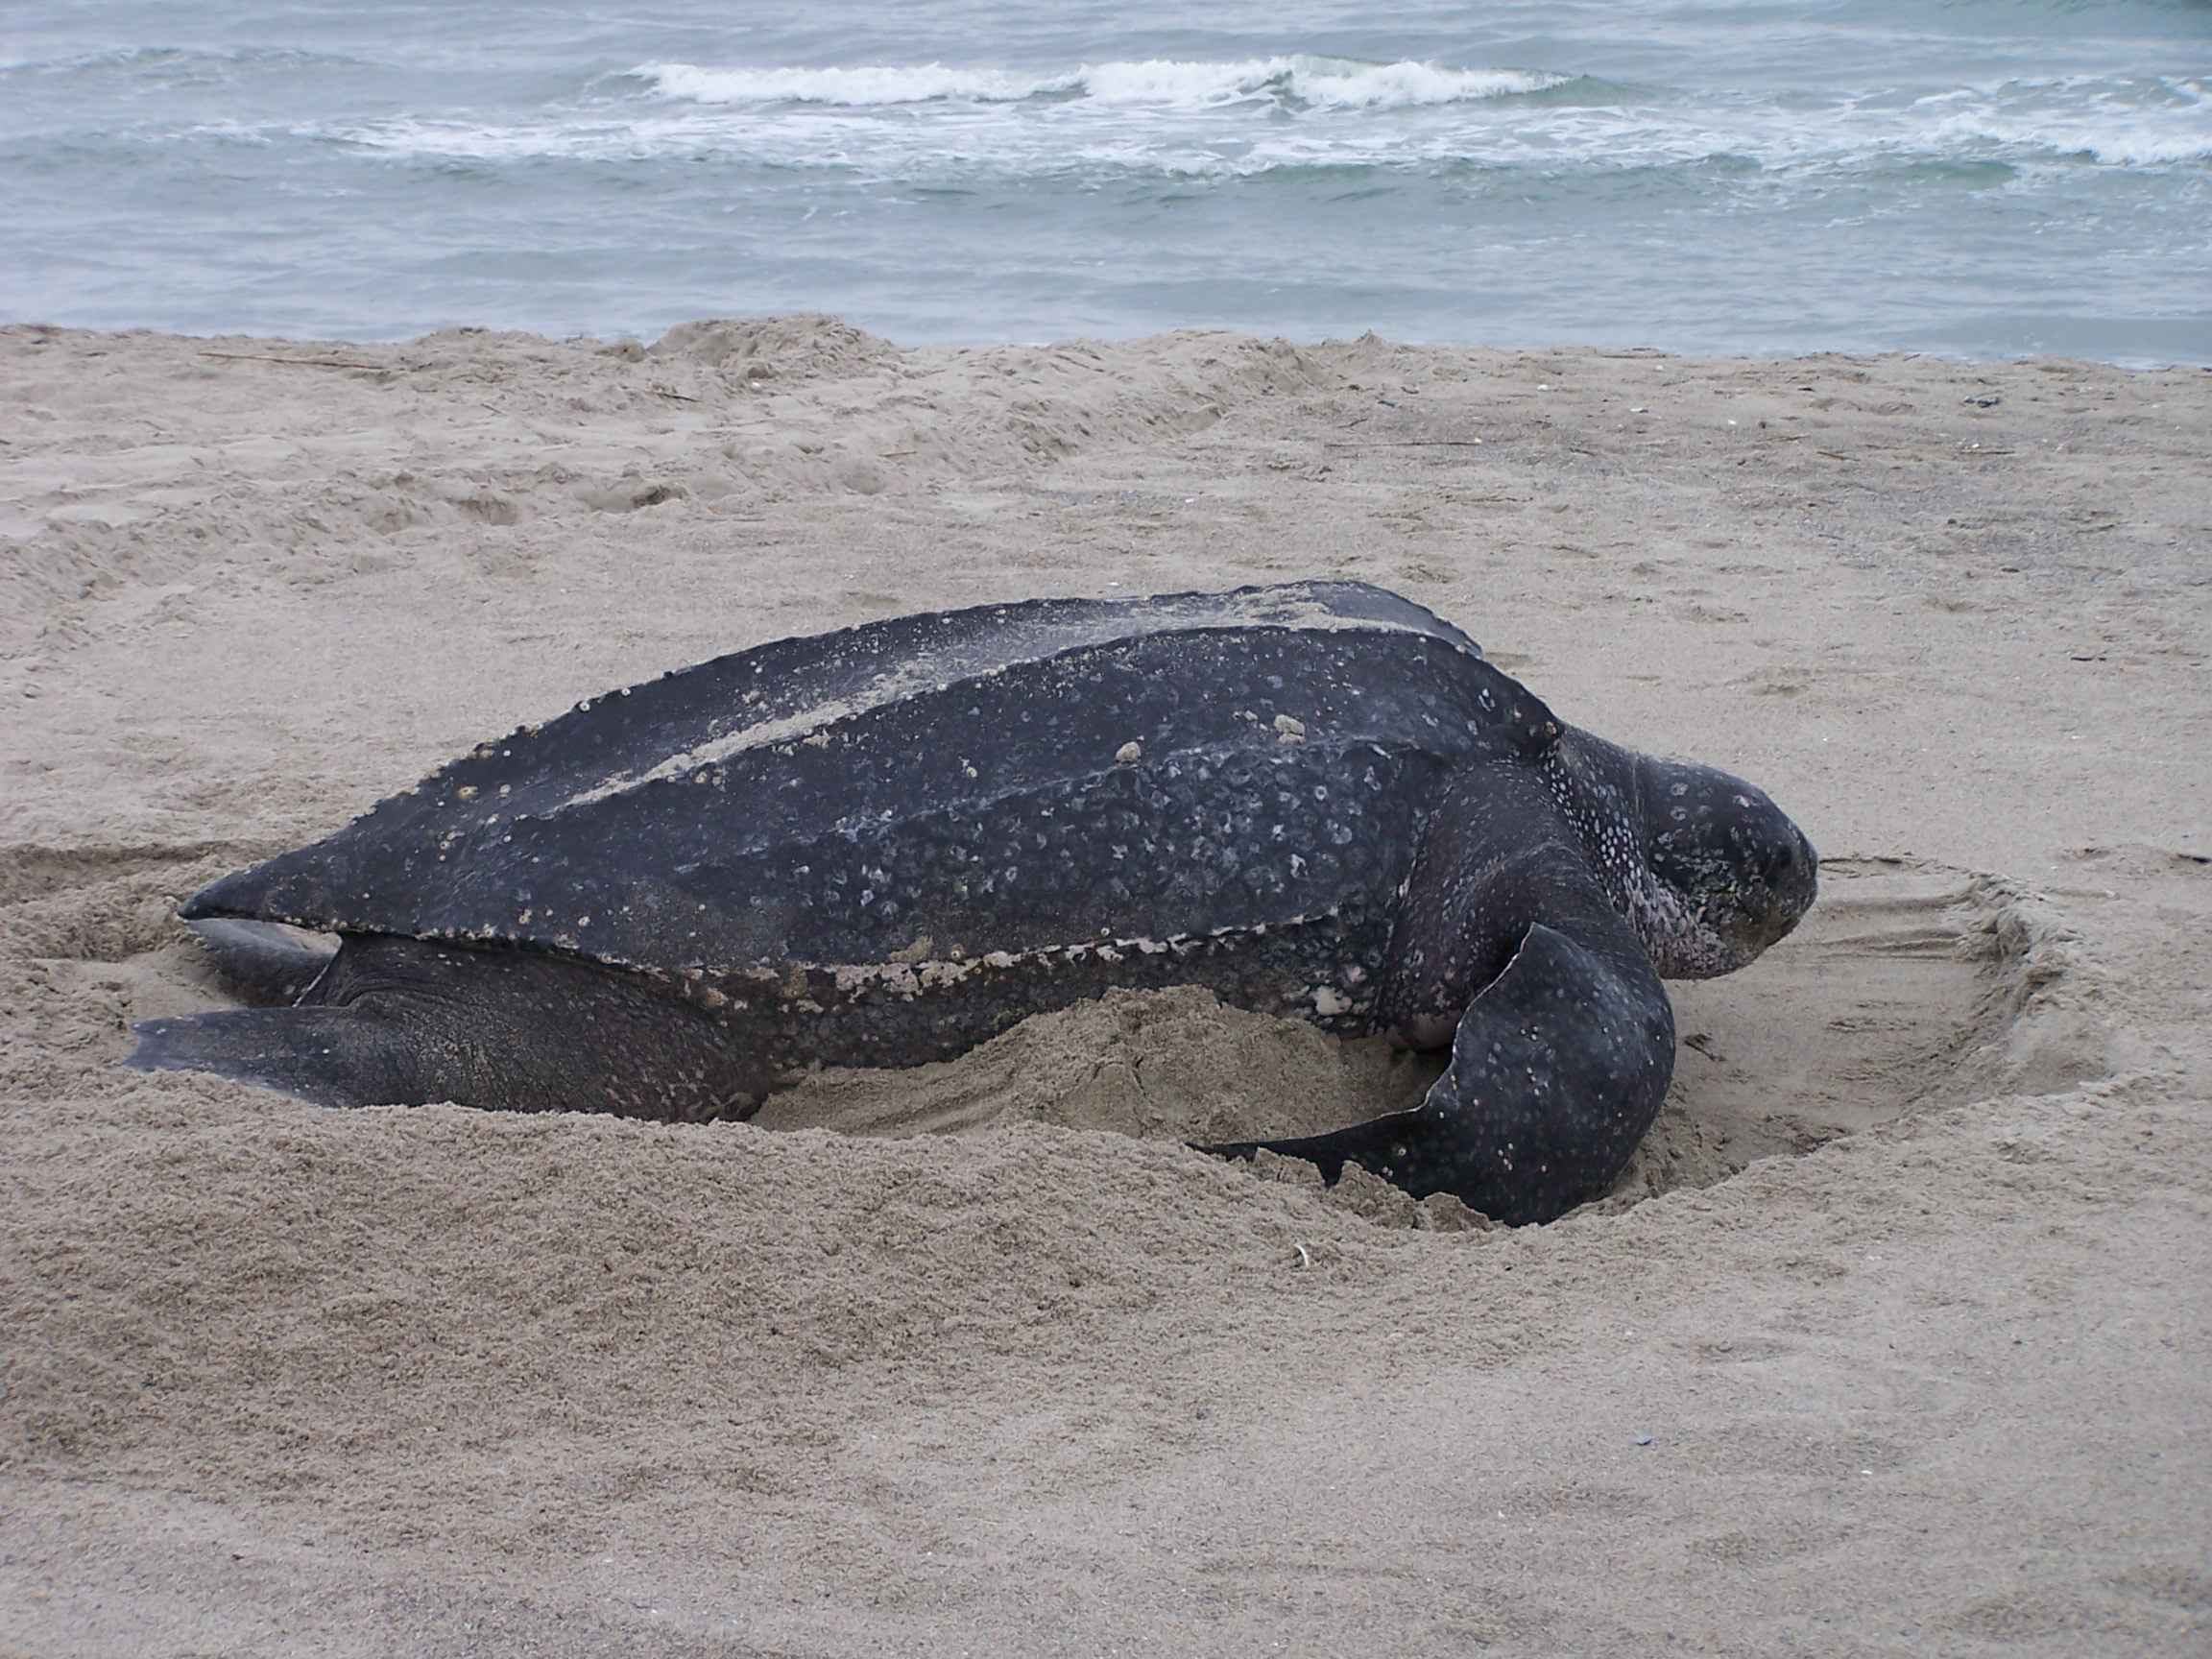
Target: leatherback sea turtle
880 846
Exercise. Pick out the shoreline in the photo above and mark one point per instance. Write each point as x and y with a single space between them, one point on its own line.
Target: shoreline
1816 1377
648 337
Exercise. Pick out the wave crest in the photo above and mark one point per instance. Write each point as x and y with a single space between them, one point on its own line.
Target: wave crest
862 86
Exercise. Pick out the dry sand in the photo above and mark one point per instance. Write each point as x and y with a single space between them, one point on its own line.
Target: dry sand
1894 1340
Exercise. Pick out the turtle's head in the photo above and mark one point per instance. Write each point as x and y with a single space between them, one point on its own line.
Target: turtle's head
1731 874
1708 869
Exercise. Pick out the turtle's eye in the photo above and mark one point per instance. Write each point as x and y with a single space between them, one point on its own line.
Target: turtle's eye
1793 862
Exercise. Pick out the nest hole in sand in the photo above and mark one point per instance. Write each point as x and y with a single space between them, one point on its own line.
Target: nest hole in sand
1904 990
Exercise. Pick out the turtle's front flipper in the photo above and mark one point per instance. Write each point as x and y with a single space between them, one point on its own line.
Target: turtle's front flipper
1559 1061
261 962
1557 1069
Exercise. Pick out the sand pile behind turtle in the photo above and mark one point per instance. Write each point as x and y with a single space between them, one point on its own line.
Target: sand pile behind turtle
1171 1065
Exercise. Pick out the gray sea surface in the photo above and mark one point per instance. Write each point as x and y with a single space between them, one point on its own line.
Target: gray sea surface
1984 177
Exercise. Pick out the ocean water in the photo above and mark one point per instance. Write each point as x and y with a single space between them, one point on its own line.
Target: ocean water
1980 178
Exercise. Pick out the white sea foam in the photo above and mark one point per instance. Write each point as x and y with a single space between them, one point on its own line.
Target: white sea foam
1331 83
1000 139
2130 124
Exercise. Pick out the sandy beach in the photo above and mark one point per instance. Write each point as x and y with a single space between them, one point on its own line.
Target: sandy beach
1894 1340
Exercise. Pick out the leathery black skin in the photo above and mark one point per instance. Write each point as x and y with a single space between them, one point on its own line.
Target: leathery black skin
881 846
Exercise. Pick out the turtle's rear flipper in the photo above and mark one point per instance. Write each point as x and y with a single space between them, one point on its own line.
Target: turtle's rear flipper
263 963
411 1021
1559 1061
331 1056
